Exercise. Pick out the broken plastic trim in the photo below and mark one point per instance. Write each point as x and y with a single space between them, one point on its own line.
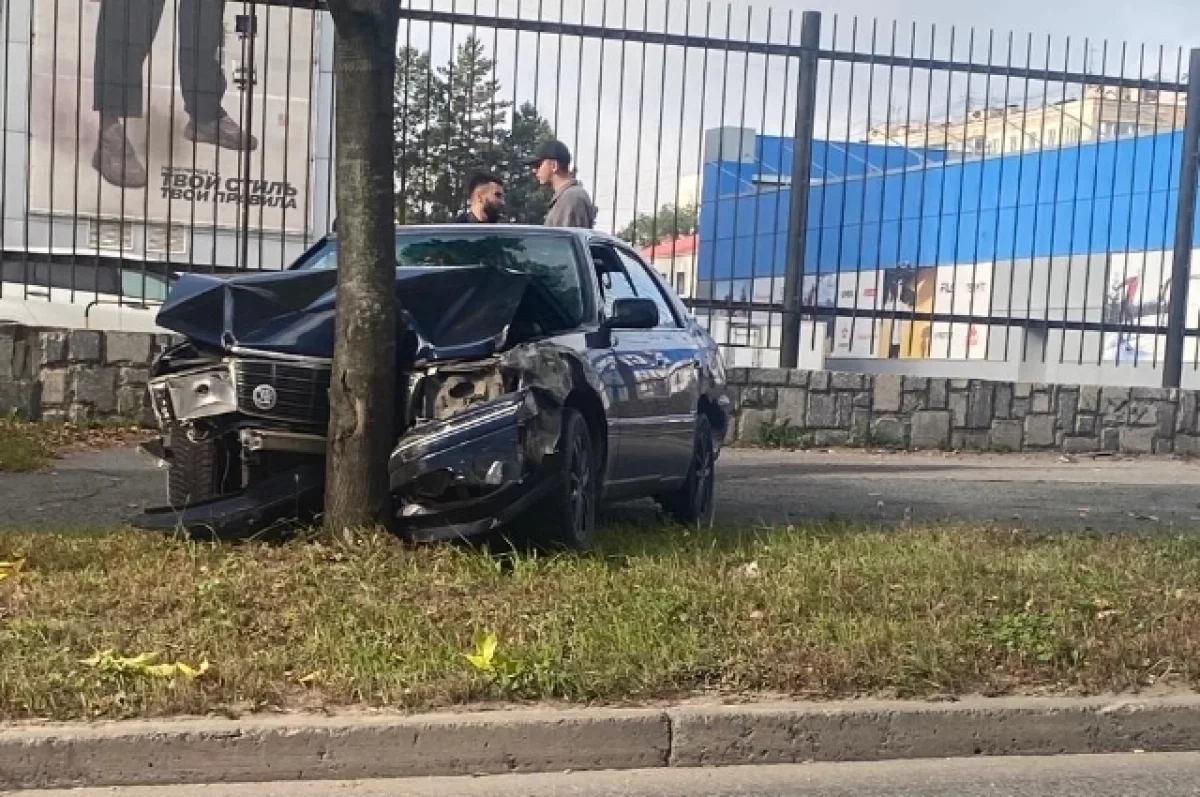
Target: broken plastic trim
291 495
483 447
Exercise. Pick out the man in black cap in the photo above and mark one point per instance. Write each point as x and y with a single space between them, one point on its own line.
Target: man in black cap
485 200
124 33
571 206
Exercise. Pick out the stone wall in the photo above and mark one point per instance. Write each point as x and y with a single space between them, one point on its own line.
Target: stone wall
76 375
81 375
811 408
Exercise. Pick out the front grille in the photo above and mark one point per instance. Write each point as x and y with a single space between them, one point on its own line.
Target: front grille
301 391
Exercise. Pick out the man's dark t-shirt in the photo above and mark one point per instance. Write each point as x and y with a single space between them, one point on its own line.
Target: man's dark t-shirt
466 217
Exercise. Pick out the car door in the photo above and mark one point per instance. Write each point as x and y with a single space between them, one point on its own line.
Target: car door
676 364
653 416
631 402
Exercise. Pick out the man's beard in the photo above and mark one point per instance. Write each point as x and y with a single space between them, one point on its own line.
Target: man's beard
492 213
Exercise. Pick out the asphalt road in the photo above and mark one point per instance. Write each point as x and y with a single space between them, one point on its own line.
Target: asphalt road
1161 775
103 489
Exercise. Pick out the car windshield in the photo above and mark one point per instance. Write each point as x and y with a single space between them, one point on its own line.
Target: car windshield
549 259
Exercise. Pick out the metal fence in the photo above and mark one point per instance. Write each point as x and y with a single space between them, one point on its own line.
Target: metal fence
973 203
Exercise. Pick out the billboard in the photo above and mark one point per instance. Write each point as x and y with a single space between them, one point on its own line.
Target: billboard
854 336
963 290
888 294
1138 294
188 113
900 301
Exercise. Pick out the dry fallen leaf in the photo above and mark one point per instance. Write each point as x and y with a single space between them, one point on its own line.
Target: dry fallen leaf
107 661
11 569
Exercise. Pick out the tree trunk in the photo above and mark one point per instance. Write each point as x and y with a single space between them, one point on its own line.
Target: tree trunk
362 384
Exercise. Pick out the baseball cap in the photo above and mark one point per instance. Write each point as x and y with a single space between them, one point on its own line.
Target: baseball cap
551 151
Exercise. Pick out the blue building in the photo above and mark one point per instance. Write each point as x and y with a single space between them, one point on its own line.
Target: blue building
877 206
1082 232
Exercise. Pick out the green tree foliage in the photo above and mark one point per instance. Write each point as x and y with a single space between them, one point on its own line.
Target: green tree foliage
668 223
451 121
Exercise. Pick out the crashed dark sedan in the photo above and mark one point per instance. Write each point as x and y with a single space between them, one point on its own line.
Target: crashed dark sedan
539 371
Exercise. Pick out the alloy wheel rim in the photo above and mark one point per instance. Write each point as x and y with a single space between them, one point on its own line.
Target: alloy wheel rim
580 477
704 477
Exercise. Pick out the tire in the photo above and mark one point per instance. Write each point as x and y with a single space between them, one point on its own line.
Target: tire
693 502
567 518
194 474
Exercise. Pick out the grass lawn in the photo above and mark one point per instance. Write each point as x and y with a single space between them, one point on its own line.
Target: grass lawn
28 446
814 613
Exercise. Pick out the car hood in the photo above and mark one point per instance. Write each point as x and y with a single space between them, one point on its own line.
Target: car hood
456 312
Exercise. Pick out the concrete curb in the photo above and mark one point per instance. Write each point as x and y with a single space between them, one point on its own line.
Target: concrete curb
178 752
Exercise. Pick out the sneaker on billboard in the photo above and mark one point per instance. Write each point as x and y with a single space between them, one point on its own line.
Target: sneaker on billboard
116 161
222 132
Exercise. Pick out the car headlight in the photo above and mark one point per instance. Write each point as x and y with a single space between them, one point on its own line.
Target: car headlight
199 394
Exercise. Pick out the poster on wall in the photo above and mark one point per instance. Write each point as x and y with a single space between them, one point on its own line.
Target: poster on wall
898 299
854 335
875 310
857 337
819 290
1138 294
185 112
964 290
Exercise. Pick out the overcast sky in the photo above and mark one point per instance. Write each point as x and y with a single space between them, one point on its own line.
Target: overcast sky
637 130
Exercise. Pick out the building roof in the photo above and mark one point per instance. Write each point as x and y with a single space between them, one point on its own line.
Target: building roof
682 246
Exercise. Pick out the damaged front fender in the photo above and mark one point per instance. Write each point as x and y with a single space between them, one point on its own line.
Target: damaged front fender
475 452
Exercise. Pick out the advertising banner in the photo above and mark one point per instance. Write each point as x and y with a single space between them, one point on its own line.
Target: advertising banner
888 297
855 336
1139 295
964 290
185 112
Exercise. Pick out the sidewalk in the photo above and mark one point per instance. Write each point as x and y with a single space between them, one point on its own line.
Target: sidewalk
273 749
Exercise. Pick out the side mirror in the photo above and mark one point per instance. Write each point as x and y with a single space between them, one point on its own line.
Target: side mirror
633 314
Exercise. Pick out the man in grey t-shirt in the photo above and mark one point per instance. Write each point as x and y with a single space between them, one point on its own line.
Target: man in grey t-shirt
571 206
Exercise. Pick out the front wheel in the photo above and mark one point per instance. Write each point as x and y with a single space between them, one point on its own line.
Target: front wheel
195 470
568 516
693 501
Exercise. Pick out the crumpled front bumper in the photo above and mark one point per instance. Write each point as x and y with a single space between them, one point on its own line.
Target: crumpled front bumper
293 495
461 476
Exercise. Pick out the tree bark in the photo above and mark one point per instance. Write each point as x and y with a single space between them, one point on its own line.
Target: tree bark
362 384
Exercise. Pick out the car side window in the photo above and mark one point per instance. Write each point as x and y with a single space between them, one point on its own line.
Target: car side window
647 288
614 279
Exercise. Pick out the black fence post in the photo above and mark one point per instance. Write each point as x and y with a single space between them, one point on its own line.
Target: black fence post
806 107
1185 227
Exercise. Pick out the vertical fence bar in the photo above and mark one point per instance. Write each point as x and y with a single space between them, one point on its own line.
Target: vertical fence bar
1185 225
806 107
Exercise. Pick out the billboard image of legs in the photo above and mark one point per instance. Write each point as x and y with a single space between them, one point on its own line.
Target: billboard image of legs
194 113
125 31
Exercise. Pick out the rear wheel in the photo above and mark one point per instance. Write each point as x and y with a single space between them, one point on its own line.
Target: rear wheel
568 516
693 501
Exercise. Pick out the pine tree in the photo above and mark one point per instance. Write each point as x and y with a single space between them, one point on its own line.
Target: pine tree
416 94
451 121
528 202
